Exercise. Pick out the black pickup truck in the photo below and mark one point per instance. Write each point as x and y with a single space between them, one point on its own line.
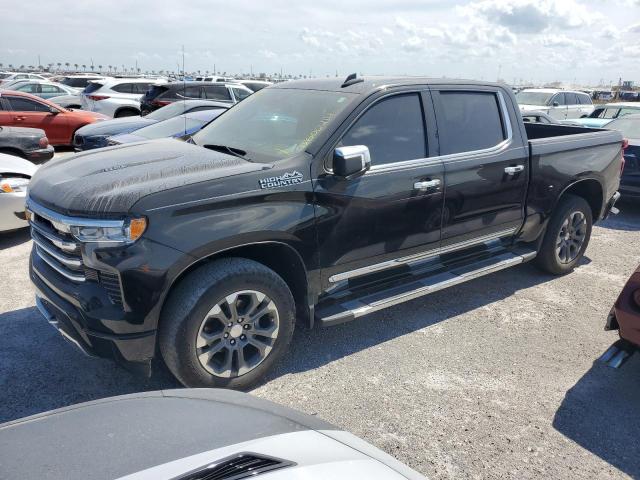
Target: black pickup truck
315 201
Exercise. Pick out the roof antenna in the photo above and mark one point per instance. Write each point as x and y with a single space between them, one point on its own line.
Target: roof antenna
351 80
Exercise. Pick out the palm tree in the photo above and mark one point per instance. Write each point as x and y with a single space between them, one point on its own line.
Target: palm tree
11 66
1 65
21 67
100 68
110 67
59 65
76 65
84 68
67 64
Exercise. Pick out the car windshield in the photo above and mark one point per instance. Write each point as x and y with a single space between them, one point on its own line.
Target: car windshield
533 98
172 127
275 123
168 111
630 127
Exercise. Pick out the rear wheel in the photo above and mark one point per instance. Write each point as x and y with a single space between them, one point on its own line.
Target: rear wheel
567 236
226 324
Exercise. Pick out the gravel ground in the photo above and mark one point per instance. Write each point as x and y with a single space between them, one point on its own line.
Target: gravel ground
491 379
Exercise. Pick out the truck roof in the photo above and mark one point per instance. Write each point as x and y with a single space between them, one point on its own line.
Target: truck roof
370 83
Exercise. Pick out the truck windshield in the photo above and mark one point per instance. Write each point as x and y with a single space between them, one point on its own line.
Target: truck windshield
275 123
533 98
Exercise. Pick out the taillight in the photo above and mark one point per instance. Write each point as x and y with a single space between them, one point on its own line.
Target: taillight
43 142
160 103
625 145
97 97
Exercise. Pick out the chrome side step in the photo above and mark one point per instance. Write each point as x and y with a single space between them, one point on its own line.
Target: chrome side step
617 354
353 309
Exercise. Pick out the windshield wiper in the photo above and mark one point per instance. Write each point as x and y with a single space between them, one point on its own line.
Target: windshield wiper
236 152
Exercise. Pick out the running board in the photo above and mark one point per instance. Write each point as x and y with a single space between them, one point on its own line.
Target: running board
352 309
617 354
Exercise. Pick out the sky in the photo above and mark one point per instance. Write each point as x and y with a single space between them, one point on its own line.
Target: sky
572 41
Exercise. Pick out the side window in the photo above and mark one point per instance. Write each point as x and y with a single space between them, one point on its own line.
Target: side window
140 88
627 111
559 99
584 99
240 93
469 121
28 88
610 113
393 129
571 98
189 92
122 88
217 92
597 113
51 89
26 105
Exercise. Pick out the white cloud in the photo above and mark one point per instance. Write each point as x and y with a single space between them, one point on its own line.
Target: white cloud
563 41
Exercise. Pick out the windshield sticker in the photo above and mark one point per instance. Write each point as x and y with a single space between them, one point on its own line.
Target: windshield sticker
285 180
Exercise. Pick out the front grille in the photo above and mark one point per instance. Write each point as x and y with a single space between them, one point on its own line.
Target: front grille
57 248
236 467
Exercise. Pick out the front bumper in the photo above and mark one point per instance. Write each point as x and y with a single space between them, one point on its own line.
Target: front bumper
40 154
134 351
12 211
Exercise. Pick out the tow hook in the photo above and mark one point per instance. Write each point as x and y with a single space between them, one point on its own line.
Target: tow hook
617 354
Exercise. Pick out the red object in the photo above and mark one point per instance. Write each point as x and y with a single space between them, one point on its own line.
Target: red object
160 103
97 97
627 310
43 142
58 123
625 144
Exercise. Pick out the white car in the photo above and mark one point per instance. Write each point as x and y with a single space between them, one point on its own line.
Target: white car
189 434
80 81
41 88
559 104
115 97
15 173
7 77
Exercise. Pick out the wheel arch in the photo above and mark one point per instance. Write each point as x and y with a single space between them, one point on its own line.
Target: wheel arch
590 190
280 257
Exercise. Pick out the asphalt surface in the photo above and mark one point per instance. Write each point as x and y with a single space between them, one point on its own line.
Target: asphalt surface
491 379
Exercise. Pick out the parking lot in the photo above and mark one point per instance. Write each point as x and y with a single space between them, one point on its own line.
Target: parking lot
491 379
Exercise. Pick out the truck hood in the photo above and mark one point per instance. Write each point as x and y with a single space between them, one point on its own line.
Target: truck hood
108 182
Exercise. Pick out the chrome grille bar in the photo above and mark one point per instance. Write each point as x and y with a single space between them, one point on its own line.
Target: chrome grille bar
57 240
74 263
57 267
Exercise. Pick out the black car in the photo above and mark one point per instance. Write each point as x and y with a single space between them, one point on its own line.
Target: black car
96 135
29 143
160 95
629 125
312 202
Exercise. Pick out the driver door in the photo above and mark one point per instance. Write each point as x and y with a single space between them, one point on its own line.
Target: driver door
369 224
558 108
27 112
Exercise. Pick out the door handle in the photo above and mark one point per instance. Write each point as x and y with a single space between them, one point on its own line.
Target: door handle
427 184
514 170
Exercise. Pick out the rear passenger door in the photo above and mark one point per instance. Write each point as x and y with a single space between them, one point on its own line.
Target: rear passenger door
485 164
558 106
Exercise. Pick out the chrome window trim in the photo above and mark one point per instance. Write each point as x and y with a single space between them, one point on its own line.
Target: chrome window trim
418 257
424 162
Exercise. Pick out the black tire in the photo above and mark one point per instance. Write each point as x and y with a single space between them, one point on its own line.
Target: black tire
126 112
191 300
548 258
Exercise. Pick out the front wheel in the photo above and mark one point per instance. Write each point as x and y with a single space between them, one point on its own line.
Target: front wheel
566 237
226 324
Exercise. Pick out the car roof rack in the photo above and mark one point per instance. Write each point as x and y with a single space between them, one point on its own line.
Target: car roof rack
351 80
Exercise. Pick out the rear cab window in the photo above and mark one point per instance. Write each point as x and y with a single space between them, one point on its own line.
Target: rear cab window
469 121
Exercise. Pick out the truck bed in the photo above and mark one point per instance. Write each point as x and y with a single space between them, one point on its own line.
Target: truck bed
545 139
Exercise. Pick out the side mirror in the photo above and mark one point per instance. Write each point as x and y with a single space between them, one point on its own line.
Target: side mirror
555 104
350 161
53 111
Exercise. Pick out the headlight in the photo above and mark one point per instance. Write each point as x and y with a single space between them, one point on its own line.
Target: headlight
13 185
110 231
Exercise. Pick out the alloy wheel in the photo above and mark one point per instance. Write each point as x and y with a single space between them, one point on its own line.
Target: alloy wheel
237 334
571 237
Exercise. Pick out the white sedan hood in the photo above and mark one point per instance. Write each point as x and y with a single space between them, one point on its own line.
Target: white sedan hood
13 164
